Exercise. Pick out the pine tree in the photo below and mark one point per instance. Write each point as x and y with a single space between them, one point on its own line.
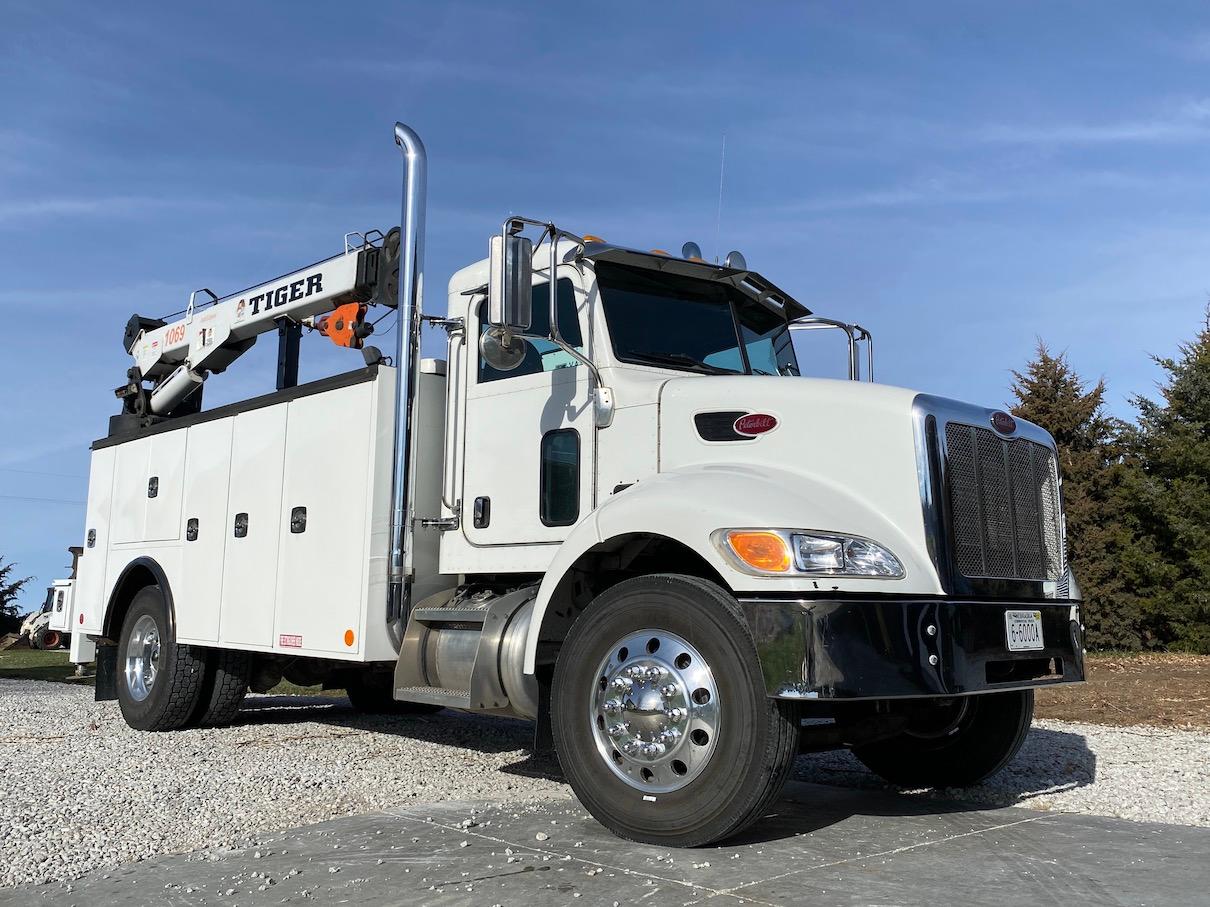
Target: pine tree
9 590
1050 394
1170 493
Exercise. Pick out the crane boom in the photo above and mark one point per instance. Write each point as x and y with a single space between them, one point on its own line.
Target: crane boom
177 356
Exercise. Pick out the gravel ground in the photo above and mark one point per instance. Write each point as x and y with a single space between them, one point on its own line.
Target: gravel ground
1145 774
82 791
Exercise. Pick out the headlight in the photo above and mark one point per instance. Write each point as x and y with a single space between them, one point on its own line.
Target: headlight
768 552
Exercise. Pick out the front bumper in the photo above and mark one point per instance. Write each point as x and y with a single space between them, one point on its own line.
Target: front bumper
881 648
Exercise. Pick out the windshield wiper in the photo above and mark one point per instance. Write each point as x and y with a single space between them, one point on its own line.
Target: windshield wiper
682 360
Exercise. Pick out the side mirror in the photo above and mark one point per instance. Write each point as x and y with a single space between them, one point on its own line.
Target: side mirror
510 283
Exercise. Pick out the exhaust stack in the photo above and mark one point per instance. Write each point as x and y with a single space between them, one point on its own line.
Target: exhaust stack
407 362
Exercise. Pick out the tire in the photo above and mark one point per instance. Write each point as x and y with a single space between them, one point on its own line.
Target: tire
223 690
972 739
372 692
51 639
168 698
38 639
735 746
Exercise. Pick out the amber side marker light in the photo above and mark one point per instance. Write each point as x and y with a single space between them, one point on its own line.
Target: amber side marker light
348 637
766 551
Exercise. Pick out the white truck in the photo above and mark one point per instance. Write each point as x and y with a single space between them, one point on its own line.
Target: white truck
615 509
50 627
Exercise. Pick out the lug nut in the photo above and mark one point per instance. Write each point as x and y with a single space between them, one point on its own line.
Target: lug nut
622 683
667 690
930 630
638 672
655 673
670 735
653 749
617 730
674 714
612 706
932 659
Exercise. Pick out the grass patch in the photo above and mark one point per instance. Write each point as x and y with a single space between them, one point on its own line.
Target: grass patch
34 664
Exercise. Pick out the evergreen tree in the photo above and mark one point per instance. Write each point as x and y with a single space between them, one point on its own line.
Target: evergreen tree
1050 394
1170 495
9 590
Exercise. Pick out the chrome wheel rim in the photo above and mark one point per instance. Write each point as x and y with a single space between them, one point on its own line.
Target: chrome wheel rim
142 657
655 711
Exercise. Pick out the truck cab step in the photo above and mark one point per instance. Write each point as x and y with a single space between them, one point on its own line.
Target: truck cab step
430 616
450 699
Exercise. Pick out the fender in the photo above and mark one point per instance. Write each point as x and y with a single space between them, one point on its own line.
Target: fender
688 504
119 588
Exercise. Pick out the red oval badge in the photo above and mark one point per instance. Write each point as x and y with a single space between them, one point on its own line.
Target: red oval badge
1004 423
755 424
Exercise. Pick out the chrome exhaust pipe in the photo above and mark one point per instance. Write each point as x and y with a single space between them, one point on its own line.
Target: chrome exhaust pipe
407 370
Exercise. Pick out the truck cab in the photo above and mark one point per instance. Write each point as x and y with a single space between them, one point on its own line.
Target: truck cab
617 509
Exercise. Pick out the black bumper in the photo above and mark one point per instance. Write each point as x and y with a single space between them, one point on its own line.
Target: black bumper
879 648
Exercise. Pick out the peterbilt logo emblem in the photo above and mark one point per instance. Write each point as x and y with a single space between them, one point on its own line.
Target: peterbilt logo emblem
1004 423
755 424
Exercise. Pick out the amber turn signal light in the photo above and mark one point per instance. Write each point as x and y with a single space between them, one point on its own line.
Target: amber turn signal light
765 551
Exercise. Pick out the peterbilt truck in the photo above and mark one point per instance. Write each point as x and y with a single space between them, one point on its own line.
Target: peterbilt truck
614 508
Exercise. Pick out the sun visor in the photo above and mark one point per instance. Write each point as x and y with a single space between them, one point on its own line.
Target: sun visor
749 282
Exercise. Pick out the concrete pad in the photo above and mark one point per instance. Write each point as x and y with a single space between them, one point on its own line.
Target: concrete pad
823 845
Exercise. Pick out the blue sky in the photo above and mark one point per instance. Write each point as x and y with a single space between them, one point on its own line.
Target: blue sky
963 178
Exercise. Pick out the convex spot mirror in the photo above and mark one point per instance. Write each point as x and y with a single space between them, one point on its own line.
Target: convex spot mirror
510 283
500 348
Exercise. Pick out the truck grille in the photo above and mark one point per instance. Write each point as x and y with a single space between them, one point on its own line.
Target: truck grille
1004 504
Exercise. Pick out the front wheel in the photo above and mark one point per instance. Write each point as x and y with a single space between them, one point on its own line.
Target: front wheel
660 717
954 742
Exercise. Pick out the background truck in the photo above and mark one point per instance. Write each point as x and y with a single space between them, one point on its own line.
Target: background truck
614 508
50 627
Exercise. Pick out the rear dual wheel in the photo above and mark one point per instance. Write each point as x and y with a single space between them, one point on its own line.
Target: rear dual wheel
164 686
660 717
159 683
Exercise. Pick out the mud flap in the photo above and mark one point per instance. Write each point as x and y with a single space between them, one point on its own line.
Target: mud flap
107 674
544 741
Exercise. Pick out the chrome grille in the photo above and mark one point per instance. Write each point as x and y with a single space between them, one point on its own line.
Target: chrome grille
1004 504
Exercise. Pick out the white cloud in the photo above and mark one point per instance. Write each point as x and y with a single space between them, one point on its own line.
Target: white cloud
1186 122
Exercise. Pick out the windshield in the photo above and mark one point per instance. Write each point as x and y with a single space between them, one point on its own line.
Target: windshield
692 325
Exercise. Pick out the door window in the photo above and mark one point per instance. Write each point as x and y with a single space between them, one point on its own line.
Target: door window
559 494
541 355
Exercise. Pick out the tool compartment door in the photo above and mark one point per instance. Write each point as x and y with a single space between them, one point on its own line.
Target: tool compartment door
325 518
205 531
163 486
89 586
252 527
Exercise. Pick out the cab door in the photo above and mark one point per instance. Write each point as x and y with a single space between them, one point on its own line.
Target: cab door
527 462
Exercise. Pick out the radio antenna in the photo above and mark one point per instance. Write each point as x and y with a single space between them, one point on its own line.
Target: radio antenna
718 222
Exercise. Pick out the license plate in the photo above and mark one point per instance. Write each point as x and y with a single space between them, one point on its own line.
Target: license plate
1023 630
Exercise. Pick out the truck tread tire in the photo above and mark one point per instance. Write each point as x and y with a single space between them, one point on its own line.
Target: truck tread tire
224 689
38 640
373 694
983 741
173 697
757 738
